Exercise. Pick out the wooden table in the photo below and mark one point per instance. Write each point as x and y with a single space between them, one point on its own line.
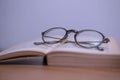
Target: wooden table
20 70
40 72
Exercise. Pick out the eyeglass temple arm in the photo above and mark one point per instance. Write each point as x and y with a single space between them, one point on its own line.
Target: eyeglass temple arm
106 40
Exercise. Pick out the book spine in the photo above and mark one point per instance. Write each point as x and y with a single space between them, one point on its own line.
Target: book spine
45 62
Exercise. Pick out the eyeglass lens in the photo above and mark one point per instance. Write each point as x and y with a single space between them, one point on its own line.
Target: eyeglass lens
85 38
54 34
88 38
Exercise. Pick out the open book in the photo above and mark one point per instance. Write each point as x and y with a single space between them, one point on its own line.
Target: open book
67 54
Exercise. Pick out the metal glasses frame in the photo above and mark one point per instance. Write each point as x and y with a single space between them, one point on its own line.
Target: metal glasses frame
104 39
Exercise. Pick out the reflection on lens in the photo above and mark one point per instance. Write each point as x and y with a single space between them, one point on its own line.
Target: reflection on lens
54 34
89 38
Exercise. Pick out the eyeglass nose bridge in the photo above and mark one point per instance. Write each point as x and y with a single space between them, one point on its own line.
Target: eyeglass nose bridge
71 30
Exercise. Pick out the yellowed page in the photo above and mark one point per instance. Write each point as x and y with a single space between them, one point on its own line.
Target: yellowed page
26 49
110 48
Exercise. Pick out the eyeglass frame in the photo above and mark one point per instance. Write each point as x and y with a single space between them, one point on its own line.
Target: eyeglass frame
104 39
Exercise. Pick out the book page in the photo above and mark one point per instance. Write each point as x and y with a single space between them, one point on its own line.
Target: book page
110 48
27 48
70 54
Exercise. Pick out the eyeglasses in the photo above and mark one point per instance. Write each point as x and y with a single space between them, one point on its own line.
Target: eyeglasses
84 38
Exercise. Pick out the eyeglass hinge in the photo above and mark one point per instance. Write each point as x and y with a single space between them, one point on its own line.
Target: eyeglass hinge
106 40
